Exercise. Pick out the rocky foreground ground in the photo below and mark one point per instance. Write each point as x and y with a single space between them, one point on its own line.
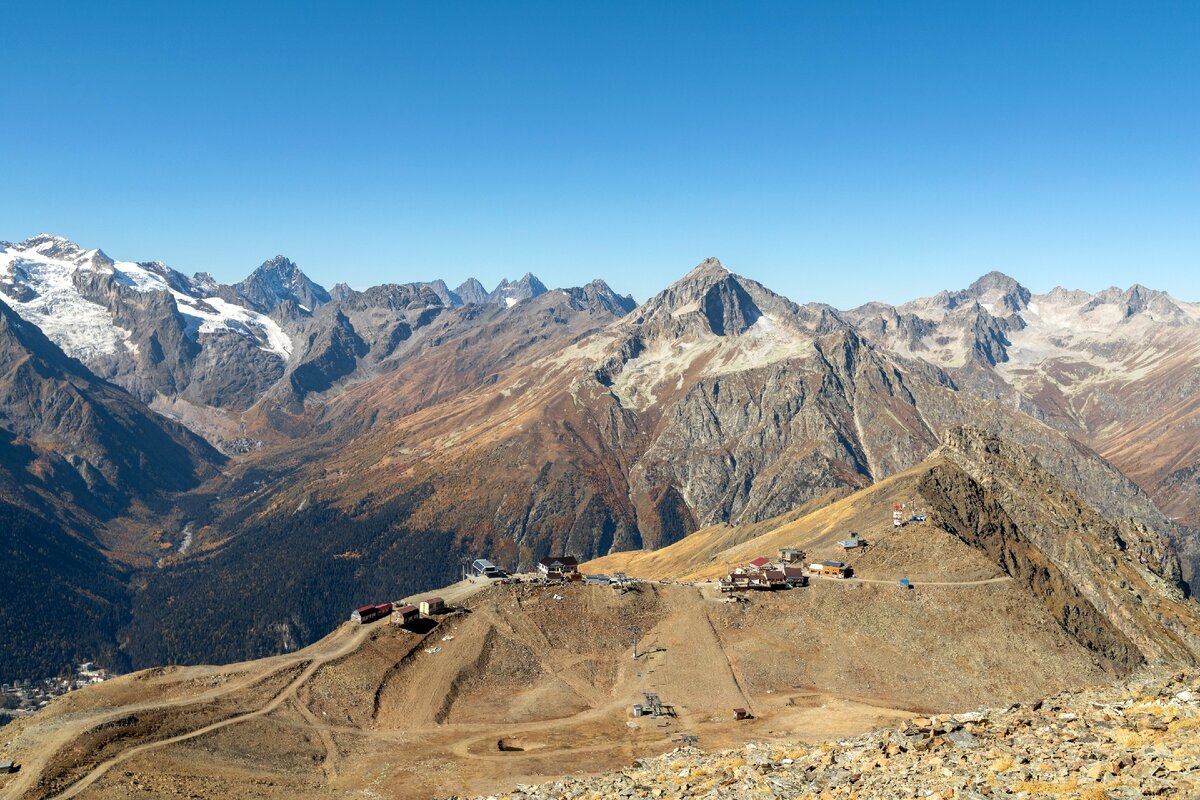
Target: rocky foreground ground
1141 739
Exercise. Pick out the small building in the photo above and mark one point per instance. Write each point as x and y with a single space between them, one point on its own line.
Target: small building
596 580
433 605
852 543
794 576
757 580
559 566
402 615
790 555
775 579
742 713
760 562
814 568
482 568
370 613
835 569
735 581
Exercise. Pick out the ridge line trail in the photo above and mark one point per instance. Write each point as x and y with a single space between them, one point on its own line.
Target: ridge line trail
353 640
983 582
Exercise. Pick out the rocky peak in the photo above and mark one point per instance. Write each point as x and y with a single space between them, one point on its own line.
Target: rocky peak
710 268
999 293
51 246
724 302
598 296
448 298
512 292
280 279
471 291
205 284
1138 299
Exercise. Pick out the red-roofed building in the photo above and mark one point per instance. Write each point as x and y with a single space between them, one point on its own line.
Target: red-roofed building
760 562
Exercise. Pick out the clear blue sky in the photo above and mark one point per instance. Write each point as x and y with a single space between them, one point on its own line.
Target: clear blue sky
834 151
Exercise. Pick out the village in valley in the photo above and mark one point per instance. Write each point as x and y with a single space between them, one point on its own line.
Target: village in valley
23 697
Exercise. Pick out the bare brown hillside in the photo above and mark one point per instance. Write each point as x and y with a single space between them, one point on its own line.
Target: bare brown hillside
534 682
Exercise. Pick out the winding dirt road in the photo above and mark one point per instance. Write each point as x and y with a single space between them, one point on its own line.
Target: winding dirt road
349 638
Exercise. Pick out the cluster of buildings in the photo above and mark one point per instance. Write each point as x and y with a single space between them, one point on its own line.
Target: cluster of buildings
24 697
400 613
550 568
787 571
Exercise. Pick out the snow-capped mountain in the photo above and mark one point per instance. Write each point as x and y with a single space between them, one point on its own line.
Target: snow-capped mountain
41 279
156 332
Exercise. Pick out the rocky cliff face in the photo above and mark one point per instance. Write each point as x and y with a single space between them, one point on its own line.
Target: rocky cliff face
1112 582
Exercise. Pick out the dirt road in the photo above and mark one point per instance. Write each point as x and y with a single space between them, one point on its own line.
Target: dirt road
346 639
341 642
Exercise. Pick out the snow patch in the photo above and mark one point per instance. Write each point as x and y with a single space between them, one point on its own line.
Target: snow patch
82 328
85 329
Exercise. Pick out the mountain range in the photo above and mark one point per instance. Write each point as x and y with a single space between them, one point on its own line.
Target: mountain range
242 446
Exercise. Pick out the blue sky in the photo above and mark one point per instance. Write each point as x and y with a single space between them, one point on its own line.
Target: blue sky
834 151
